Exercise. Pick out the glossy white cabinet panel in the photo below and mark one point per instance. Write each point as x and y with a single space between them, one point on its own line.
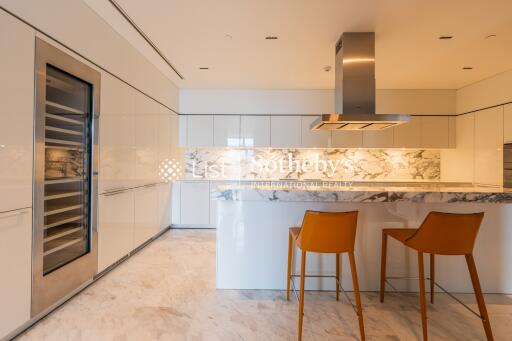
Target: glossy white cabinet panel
116 227
255 131
507 123
16 113
435 132
347 139
285 131
182 127
379 138
195 203
313 139
15 264
199 130
226 131
146 214
117 98
408 135
146 152
176 203
489 146
117 152
452 131
164 205
164 137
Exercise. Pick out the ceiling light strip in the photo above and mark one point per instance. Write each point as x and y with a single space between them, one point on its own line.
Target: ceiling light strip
143 35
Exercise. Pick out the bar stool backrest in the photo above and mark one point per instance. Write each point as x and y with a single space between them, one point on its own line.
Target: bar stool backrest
328 232
447 233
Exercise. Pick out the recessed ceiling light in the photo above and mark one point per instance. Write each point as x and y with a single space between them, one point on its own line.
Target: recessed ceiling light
490 36
445 37
204 68
271 37
327 68
467 68
228 36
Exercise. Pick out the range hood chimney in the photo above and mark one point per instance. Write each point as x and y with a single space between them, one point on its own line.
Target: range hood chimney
355 88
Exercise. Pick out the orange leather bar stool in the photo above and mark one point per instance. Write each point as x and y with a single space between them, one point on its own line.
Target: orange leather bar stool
440 234
325 232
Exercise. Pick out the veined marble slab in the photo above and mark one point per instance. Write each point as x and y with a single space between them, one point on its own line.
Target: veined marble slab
352 164
364 194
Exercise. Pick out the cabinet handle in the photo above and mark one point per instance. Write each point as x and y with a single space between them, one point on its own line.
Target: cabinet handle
110 194
15 214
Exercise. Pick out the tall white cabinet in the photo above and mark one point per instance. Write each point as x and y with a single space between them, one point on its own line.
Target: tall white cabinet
16 155
489 146
255 131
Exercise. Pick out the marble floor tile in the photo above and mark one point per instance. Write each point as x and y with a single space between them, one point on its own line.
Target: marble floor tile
167 292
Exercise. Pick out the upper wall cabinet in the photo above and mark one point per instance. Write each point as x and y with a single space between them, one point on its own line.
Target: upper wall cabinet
317 138
226 131
378 138
346 139
255 131
117 98
199 130
285 131
489 146
507 124
435 132
16 113
408 135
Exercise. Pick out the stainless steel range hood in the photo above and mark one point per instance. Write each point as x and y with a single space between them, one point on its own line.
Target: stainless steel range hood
355 88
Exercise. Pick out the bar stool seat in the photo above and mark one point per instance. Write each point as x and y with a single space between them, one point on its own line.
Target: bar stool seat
325 232
446 234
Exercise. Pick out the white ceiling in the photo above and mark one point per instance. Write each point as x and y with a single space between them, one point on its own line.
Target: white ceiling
191 33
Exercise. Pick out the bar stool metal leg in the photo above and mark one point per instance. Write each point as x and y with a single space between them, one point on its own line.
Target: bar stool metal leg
338 278
357 294
479 297
423 302
383 265
290 253
301 299
432 277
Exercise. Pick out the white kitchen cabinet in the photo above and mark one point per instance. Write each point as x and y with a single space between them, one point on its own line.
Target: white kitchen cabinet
452 131
176 203
226 130
146 214
316 138
457 165
15 264
195 203
117 135
16 113
408 135
255 131
489 146
115 227
164 205
199 130
346 139
378 138
164 138
146 150
507 123
182 130
435 132
285 131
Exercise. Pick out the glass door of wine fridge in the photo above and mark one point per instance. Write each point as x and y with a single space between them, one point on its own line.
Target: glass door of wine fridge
65 189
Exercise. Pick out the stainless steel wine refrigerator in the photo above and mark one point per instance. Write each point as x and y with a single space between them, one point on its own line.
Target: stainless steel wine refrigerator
64 256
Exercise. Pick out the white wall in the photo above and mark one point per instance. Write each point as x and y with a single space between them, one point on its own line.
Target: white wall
485 93
235 101
76 25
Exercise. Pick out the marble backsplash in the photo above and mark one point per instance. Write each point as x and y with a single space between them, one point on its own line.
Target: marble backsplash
352 164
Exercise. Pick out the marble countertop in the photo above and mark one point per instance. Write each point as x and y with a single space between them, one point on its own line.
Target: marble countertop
427 192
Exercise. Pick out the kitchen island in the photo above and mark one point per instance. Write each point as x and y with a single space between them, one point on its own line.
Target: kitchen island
253 220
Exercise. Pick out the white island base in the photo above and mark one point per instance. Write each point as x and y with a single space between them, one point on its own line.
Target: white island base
252 242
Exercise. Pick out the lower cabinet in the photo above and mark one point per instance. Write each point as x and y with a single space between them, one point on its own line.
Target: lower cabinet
146 221
115 231
15 262
195 203
164 206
